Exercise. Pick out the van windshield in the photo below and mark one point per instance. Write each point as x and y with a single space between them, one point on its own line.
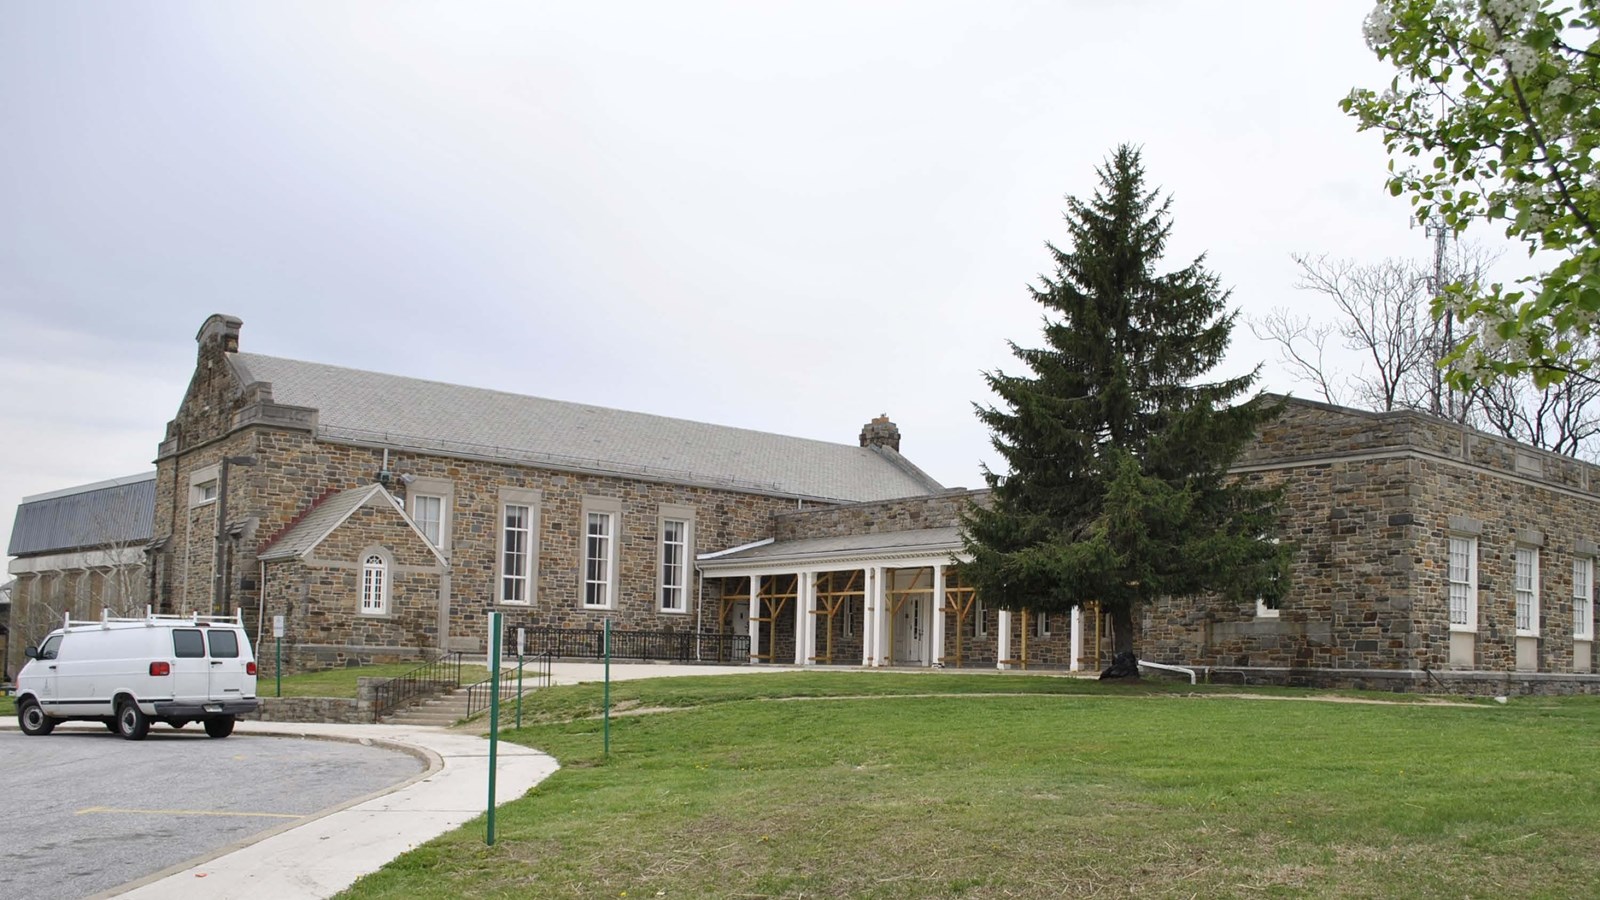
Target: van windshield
224 644
51 647
187 643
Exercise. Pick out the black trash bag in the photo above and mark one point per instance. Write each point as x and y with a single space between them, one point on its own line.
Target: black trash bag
1123 665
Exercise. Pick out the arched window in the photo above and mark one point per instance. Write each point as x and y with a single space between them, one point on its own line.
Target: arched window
375 586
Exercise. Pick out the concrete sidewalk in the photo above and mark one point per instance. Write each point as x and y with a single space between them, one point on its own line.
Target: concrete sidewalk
320 857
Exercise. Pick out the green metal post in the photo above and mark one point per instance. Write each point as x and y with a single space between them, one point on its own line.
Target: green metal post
494 711
519 687
606 706
278 667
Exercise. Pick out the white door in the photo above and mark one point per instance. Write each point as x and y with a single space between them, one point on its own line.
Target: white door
910 631
227 664
191 671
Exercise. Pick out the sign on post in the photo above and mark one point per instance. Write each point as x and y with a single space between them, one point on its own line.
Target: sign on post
277 626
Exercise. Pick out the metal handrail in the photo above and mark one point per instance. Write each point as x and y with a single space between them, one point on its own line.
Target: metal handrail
1166 668
478 694
427 680
674 646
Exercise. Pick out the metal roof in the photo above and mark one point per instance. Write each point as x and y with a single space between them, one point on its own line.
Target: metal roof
111 513
390 410
918 542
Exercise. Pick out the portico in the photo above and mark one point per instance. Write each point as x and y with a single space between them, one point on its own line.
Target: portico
882 599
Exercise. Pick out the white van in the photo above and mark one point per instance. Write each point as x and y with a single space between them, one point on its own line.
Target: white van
128 673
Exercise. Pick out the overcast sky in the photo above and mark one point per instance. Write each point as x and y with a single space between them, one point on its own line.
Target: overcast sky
781 216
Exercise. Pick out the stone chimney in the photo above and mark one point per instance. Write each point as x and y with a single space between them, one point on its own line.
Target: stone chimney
881 432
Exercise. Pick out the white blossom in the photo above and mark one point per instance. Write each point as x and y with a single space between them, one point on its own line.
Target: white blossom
1378 27
1520 59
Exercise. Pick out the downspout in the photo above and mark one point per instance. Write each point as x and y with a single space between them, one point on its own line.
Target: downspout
261 605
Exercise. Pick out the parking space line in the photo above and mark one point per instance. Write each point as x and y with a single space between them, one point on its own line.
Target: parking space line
187 812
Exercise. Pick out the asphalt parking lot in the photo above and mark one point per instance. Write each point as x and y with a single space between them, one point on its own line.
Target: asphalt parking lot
85 811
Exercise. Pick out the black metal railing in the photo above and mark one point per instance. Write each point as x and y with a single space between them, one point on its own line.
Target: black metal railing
534 672
425 681
670 646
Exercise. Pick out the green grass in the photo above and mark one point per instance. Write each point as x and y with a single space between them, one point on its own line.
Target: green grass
8 706
342 682
1067 788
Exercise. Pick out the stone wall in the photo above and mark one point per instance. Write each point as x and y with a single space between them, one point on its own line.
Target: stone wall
876 517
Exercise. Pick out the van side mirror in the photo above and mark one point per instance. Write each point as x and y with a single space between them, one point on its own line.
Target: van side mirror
31 652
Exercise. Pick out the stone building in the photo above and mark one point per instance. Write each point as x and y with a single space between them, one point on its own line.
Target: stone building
78 550
385 516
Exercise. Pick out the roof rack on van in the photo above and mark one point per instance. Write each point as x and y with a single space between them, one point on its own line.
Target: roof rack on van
151 617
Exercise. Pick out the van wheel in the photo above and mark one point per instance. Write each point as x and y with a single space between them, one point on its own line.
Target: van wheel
32 719
220 727
132 723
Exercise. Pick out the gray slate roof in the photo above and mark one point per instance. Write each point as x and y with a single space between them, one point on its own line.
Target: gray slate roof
303 536
111 513
923 541
391 410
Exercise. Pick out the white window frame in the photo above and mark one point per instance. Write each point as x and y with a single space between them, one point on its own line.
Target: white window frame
610 511
980 627
375 577
1041 624
1461 592
1583 598
420 504
849 617
528 579
666 515
1525 588
442 489
203 483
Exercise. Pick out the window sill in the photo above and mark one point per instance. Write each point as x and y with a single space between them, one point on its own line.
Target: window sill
672 612
1527 634
1463 629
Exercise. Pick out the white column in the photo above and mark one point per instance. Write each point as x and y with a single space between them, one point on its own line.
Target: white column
1077 638
936 635
882 639
869 576
755 610
805 623
1002 650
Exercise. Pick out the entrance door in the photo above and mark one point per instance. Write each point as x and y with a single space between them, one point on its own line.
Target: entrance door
910 631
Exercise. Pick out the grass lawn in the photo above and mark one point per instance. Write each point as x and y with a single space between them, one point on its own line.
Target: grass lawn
1067 788
342 682
8 706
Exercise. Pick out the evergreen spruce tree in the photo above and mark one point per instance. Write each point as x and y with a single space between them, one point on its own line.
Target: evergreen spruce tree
1118 452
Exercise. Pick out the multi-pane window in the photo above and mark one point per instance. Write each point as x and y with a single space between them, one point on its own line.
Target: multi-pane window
428 513
1527 590
516 543
374 585
1583 598
979 626
1041 625
847 613
598 558
674 567
1463 577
